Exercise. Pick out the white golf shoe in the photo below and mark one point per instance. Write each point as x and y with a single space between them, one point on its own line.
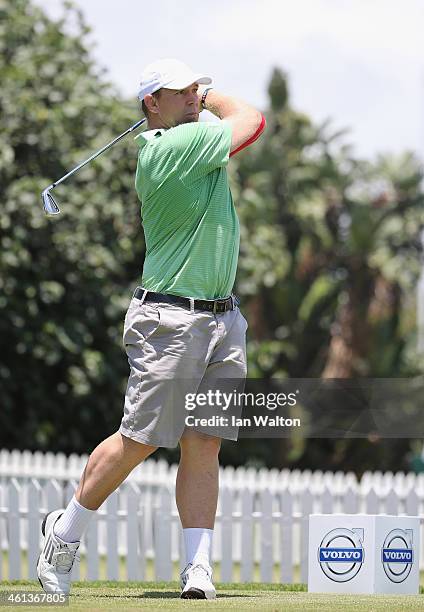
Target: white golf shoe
196 582
56 559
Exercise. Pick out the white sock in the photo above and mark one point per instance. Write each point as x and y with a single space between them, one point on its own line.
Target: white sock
198 542
73 522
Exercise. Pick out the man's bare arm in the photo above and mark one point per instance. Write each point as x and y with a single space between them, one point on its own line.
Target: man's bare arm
246 122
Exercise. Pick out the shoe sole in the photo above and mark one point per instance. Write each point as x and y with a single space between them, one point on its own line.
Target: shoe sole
193 593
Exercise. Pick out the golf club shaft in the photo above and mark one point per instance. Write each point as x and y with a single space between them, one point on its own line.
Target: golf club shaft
110 144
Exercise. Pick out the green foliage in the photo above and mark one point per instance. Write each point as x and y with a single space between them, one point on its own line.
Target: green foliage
64 282
278 91
317 226
330 256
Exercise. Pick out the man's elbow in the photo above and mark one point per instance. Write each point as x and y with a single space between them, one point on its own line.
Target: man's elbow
260 122
257 124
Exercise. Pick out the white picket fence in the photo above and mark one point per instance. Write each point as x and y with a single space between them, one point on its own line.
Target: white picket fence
262 516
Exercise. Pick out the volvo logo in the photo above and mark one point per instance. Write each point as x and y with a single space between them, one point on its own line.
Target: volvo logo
341 554
397 554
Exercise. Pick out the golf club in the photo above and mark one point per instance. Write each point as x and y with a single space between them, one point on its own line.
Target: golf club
49 203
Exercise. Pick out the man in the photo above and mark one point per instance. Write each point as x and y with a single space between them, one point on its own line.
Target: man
183 328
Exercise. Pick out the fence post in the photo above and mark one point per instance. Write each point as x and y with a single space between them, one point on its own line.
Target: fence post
133 531
92 548
148 504
34 497
350 500
162 535
14 529
372 502
54 495
267 560
4 462
226 534
327 501
306 505
69 491
112 562
246 569
412 503
392 502
286 536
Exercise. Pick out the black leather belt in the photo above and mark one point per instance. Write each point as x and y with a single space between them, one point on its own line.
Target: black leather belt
209 305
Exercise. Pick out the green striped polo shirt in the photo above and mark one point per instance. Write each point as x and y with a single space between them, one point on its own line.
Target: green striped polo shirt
190 224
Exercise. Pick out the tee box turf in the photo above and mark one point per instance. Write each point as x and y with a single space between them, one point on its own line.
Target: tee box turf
363 553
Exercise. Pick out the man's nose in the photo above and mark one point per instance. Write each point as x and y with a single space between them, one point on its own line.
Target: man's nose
193 99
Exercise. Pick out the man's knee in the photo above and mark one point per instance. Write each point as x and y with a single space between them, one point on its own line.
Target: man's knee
136 450
195 442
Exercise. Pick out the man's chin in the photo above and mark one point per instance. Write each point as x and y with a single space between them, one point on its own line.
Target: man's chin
189 119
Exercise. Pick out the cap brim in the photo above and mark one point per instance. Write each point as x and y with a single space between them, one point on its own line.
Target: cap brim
183 83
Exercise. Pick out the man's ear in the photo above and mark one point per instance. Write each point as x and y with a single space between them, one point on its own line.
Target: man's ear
151 103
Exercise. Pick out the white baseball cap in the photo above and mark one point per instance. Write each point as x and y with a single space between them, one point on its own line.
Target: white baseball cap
169 73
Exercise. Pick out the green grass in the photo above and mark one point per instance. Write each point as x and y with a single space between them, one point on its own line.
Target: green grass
150 570
258 597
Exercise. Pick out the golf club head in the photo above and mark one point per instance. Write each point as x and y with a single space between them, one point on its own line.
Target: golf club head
49 203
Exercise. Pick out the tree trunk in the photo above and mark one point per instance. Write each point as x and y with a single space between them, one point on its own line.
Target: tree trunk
347 354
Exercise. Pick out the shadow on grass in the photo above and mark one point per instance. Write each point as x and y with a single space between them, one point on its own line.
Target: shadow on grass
156 595
150 595
172 594
160 594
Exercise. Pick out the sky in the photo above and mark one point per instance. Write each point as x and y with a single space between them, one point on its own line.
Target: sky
358 62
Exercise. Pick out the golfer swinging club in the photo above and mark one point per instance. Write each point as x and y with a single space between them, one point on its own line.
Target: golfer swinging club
183 323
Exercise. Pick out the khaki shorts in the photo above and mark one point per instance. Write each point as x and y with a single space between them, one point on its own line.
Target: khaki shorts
171 352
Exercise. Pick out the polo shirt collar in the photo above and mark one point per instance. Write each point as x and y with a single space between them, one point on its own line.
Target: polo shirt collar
150 134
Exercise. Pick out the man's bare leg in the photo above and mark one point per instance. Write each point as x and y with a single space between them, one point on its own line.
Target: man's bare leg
107 467
109 464
197 497
197 480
